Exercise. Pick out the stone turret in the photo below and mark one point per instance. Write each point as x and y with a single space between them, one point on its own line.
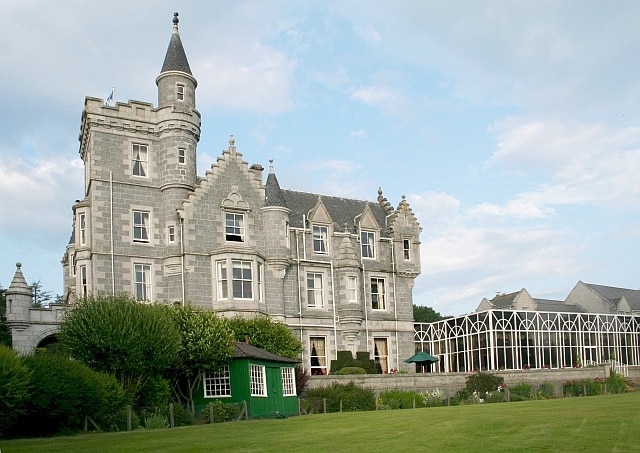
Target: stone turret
19 299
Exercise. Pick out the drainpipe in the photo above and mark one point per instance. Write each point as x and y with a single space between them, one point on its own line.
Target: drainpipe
113 272
182 258
395 304
364 282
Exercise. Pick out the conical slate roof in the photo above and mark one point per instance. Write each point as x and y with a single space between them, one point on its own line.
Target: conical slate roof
176 58
19 284
274 195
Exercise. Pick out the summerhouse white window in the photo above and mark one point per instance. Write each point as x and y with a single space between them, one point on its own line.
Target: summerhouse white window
381 353
320 235
315 290
142 281
288 382
234 227
141 226
140 159
368 244
217 384
258 380
318 355
378 299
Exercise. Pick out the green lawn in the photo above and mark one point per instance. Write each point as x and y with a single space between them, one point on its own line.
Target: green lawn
601 423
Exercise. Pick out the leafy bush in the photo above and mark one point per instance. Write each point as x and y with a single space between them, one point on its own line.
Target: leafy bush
15 382
483 382
583 388
154 392
182 416
155 420
353 398
221 412
520 392
616 383
67 391
302 377
345 359
351 370
546 391
401 399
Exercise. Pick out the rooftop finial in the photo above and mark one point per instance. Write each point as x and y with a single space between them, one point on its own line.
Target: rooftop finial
271 165
175 20
232 141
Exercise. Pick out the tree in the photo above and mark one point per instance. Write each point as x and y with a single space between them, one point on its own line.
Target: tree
426 314
206 343
42 297
15 388
265 333
121 336
5 332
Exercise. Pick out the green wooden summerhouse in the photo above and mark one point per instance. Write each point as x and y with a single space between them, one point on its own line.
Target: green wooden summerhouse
266 382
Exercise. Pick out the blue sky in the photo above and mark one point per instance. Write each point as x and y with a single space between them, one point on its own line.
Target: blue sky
513 128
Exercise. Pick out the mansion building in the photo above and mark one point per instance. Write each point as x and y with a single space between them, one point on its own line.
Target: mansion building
339 272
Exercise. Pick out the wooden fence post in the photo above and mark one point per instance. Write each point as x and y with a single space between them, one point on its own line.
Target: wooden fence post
210 412
324 405
129 428
340 404
171 418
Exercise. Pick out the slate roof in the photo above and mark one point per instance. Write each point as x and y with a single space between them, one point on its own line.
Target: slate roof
504 300
613 295
176 58
557 306
246 351
342 210
273 192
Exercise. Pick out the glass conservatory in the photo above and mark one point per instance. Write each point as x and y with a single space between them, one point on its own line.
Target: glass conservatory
516 340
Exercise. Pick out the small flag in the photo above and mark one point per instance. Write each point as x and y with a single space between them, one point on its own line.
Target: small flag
110 97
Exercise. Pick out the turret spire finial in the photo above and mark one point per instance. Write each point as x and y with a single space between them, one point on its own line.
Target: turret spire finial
175 20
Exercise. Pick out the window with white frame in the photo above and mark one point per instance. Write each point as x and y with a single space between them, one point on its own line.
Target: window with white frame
234 227
258 380
406 249
221 277
315 291
82 228
318 356
84 290
381 353
171 234
352 289
142 281
368 244
141 226
288 382
241 280
217 384
140 159
378 301
182 156
180 92
320 235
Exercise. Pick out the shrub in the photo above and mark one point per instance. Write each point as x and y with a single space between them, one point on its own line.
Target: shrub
155 420
221 412
546 391
401 399
345 359
67 391
616 383
351 370
483 382
353 398
182 416
154 392
583 388
520 392
15 381
302 377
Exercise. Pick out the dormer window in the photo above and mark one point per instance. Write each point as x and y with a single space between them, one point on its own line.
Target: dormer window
234 227
368 244
180 92
320 234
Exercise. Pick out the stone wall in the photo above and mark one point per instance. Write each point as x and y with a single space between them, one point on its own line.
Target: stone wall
450 383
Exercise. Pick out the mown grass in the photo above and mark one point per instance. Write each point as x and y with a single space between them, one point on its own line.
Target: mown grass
602 424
